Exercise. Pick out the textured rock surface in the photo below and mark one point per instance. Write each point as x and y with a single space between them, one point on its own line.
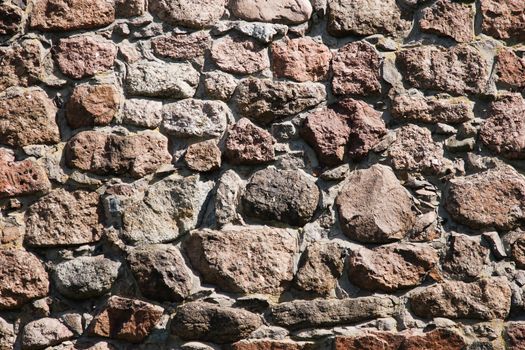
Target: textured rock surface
503 19
142 112
21 178
510 69
22 64
203 156
249 144
181 46
465 258
44 332
11 19
195 14
280 11
239 55
91 105
445 18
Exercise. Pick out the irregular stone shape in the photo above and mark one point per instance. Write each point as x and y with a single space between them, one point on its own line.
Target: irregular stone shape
331 312
27 117
7 335
285 196
247 143
160 272
61 15
374 207
518 251
301 59
369 341
85 277
195 14
465 258
181 46
44 332
414 106
515 335
415 151
209 322
227 198
141 112
63 218
493 198
449 19
244 259
322 264
276 11
196 118
503 132
107 154
219 85
391 267
264 101
23 277
22 64
503 19
155 79
485 299
203 156
510 69
365 17
356 69
240 54
269 344
130 8
85 56
459 70
91 105
21 178
125 319
10 19
440 338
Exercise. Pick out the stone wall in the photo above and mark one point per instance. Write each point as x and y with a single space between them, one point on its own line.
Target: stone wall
262 174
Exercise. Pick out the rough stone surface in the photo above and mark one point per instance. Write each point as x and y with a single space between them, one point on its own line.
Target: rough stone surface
44 332
449 19
263 100
91 105
266 344
247 143
510 69
208 322
356 69
195 14
64 218
160 272
515 333
22 64
21 178
391 267
85 56
280 195
374 207
465 258
503 19
181 46
239 54
24 278
301 59
445 339
277 11
10 19
219 85
7 335
85 277
142 112
130 320
493 198
244 259
203 156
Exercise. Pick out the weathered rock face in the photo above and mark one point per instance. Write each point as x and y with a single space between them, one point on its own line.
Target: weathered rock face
195 14
203 156
126 319
365 17
85 277
515 334
504 130
280 195
268 344
503 19
85 56
493 198
510 69
181 46
240 54
208 322
219 85
21 178
22 64
465 258
244 259
227 198
391 267
369 341
356 69
24 278
43 333
446 339
64 218
249 144
287 11
7 335
459 70
56 15
323 313
91 105
374 207
11 19
263 100
160 272
485 299
104 153
142 112
301 59
449 19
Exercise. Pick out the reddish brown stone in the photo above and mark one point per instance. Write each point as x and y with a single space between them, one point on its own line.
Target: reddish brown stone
21 178
510 69
23 277
91 105
247 143
465 258
239 54
104 154
22 64
126 319
193 14
450 19
301 59
130 8
515 335
56 15
203 156
265 344
181 46
518 251
441 338
357 70
369 341
27 117
280 11
503 19
10 19
44 333
85 56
